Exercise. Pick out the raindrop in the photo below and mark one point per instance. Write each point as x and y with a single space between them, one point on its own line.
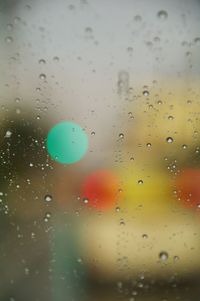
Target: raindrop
140 182
184 146
71 7
170 117
79 260
156 39
9 39
122 222
88 30
188 54
85 200
163 256
17 20
169 139
9 26
47 216
117 209
134 293
123 82
42 62
162 15
197 41
176 258
56 59
138 18
42 76
146 93
8 134
92 133
48 198
121 135
148 145
130 50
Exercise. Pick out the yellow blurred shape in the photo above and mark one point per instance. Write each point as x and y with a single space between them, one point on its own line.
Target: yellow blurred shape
148 191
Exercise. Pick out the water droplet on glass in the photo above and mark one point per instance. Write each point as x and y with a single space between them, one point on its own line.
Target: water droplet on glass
184 146
85 200
145 236
117 209
88 30
176 258
121 135
92 133
79 260
48 198
123 82
9 40
122 222
148 144
140 182
169 139
163 256
197 41
146 93
162 14
47 217
156 39
17 20
42 76
10 26
138 18
130 50
56 59
71 7
170 117
42 62
8 134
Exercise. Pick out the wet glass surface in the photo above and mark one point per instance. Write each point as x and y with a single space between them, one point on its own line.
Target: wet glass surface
99 150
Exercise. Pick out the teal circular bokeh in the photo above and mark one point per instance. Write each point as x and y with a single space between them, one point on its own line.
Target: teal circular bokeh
67 142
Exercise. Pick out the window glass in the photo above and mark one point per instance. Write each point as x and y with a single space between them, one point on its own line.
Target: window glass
99 150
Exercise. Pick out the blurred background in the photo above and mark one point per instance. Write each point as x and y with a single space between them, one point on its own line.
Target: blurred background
99 150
